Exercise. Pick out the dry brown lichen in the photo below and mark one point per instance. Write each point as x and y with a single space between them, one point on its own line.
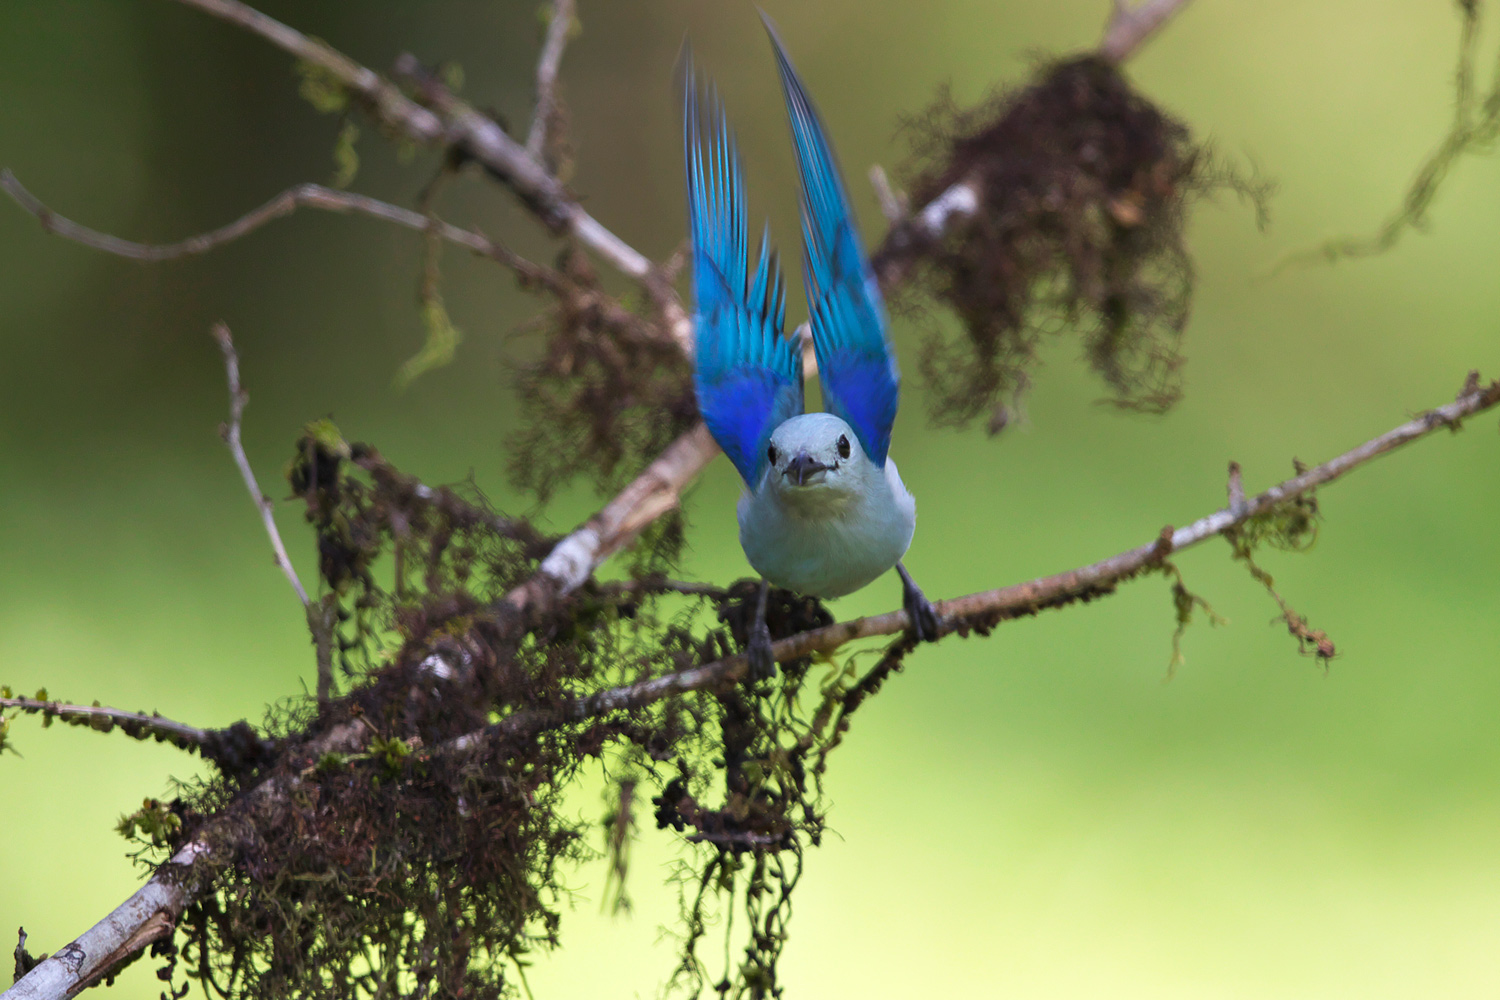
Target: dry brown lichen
1084 186
608 392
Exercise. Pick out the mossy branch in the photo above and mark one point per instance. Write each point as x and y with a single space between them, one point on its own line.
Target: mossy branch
982 611
102 719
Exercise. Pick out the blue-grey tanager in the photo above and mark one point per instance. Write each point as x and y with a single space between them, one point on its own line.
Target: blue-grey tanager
824 510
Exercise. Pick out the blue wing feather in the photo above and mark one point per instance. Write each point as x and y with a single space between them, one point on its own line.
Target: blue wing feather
856 362
748 376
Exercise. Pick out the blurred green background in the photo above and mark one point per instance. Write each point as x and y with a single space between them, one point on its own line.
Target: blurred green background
1032 815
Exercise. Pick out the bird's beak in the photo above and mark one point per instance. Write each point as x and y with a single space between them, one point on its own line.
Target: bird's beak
802 468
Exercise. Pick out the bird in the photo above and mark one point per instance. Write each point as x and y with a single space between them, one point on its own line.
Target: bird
824 511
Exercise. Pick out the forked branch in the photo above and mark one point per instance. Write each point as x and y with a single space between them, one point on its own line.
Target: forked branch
558 29
284 204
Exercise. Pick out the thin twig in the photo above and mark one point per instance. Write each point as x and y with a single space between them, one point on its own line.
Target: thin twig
284 204
1132 23
987 608
320 615
664 585
892 205
230 432
547 66
136 724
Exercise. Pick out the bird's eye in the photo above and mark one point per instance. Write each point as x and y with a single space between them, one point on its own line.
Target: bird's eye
843 446
771 454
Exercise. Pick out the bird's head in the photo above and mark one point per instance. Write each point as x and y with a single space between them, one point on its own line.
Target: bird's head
816 459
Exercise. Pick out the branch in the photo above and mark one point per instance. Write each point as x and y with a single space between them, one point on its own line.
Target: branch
454 124
230 432
1132 24
650 495
284 204
981 611
151 913
546 77
135 724
317 196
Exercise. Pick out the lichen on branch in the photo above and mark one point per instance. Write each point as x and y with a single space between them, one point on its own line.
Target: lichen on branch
1083 186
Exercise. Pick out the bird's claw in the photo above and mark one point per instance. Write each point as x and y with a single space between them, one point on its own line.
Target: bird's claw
759 653
919 610
922 615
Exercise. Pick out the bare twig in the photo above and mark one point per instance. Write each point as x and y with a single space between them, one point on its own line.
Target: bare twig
1235 488
136 724
320 615
317 196
284 204
1132 23
892 205
558 29
657 584
230 432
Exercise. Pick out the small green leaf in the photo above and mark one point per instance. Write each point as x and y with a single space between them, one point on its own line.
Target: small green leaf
321 88
328 438
345 156
443 339
154 823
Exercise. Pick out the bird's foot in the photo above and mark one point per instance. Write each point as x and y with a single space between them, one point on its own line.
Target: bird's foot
759 653
919 610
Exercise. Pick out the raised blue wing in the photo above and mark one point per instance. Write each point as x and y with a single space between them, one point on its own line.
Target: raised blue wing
747 374
856 362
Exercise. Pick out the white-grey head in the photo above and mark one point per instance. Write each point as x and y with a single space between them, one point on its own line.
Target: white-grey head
815 458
